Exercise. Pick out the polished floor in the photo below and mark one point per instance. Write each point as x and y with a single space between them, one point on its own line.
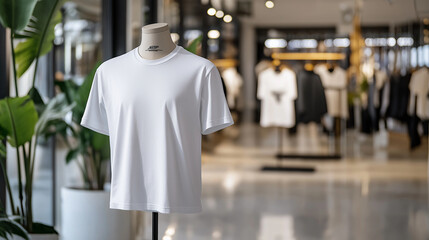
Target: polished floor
378 190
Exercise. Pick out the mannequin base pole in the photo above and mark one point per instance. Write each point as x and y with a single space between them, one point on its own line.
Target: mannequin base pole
154 226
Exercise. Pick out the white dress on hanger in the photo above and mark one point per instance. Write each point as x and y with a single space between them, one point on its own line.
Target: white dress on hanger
277 91
335 84
419 86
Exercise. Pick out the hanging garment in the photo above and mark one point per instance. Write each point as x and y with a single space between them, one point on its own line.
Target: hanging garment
311 101
233 82
369 120
154 112
335 84
277 91
412 125
351 91
419 89
374 99
380 77
399 97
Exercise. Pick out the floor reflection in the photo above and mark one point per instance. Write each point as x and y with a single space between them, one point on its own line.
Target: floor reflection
359 197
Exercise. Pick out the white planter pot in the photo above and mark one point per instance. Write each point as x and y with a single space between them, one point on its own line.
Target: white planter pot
86 216
39 237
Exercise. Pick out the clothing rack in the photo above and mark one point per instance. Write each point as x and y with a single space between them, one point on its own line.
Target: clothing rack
321 56
225 63
316 56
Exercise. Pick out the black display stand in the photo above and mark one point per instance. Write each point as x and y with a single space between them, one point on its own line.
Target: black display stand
280 155
285 168
154 226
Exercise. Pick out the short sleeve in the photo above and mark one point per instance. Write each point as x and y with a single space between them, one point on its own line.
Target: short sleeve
94 116
214 111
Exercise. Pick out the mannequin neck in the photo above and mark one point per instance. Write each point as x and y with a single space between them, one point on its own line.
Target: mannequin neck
156 41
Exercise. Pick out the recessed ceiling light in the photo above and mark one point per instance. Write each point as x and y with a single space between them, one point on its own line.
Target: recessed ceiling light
211 11
219 14
213 34
269 4
227 18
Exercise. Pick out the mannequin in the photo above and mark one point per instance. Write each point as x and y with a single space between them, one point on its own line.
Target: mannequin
156 41
156 100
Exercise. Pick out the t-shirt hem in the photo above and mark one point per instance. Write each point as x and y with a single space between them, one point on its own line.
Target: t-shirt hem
96 129
154 208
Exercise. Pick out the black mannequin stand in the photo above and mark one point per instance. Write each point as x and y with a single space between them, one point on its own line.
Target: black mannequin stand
154 226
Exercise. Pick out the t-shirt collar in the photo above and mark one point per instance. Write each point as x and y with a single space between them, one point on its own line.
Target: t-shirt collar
155 61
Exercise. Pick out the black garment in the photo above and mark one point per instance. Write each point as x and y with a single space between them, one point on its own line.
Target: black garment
425 128
311 101
413 132
399 96
351 89
350 122
370 115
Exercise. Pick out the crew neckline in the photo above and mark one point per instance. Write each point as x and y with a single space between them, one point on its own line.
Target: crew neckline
155 61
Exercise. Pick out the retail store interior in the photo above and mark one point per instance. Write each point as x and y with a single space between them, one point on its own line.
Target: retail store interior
330 106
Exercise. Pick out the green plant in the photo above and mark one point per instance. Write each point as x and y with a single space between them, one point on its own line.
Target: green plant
193 46
91 146
9 226
23 119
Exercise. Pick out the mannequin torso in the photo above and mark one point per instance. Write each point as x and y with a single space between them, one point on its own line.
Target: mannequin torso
156 41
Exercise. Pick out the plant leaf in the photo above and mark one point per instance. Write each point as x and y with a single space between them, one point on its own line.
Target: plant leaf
11 227
37 99
193 46
40 32
18 117
3 135
2 150
72 155
55 110
15 14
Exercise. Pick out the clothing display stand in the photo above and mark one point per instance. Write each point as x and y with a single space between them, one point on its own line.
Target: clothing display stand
335 136
154 226
334 156
280 155
279 167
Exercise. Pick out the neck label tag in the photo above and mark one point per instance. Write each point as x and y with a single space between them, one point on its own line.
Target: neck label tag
153 48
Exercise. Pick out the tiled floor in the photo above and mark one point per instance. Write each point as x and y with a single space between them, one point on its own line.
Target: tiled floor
374 192
377 191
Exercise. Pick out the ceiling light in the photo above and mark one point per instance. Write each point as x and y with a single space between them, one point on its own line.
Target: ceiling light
302 43
269 4
211 11
275 43
219 14
341 42
227 18
405 41
391 41
213 34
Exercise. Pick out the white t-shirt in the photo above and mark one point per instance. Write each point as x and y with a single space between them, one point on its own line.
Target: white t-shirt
277 92
154 112
335 84
419 86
